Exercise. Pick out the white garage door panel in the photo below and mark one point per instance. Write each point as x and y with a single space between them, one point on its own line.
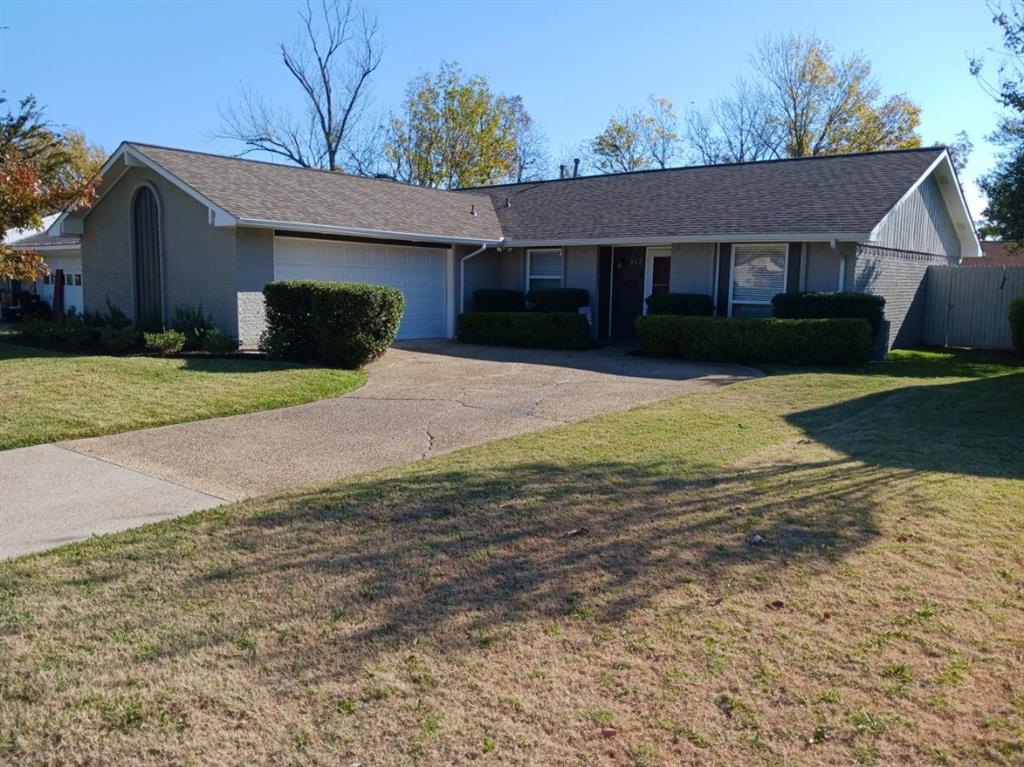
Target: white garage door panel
418 272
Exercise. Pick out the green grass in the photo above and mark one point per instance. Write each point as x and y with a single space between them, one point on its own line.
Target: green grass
47 396
440 612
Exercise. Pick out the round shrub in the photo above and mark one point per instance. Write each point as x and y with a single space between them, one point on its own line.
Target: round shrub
165 343
336 323
1016 316
216 341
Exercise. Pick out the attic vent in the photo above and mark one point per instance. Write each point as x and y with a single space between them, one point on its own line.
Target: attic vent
472 210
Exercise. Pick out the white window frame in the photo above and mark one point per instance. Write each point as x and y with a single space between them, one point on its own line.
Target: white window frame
732 270
529 263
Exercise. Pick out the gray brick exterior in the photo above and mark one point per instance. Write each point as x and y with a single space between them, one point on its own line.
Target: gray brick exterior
899 277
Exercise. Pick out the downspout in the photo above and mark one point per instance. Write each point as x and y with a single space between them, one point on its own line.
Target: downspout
462 275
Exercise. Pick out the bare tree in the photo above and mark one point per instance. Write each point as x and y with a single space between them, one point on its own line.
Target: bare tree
530 158
736 128
332 61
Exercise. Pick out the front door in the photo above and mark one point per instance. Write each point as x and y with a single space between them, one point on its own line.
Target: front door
627 290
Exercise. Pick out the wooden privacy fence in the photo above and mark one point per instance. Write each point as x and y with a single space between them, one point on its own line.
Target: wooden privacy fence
968 307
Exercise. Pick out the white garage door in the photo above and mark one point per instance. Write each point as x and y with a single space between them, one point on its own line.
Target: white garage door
418 272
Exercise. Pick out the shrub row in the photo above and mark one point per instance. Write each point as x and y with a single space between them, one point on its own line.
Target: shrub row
335 323
539 300
689 304
115 333
828 304
1016 317
818 341
539 330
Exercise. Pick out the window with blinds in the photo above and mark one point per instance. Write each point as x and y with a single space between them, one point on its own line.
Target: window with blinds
758 274
543 269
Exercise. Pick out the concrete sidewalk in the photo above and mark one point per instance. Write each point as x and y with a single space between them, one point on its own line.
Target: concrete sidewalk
420 399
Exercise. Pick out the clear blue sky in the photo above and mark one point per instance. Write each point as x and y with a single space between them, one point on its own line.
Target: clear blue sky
157 72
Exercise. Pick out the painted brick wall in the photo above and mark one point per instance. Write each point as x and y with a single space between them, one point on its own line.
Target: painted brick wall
899 277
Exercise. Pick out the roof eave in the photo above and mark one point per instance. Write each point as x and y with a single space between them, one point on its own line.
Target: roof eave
669 239
377 234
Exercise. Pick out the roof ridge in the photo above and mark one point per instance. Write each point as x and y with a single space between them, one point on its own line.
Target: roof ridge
340 174
773 161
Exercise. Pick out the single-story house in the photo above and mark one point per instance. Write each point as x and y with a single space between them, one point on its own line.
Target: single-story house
171 227
63 257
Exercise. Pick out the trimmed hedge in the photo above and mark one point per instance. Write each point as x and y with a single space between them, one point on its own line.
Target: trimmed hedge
831 304
736 339
688 304
538 330
498 300
557 299
165 343
335 323
1016 317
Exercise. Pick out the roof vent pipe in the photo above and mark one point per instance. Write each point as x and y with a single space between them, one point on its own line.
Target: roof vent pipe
472 210
576 167
561 171
508 202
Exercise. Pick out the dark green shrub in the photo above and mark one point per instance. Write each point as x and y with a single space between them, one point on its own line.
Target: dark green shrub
37 330
496 300
118 340
193 323
557 299
1016 316
711 339
218 342
344 324
688 304
827 304
538 330
115 318
75 331
165 343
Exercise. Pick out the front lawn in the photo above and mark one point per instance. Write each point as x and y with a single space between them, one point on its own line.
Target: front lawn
816 567
47 396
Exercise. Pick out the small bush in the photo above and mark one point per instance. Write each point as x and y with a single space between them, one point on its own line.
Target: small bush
496 300
818 342
118 340
218 342
802 306
686 304
557 299
344 324
37 330
165 343
538 330
1016 316
75 331
193 323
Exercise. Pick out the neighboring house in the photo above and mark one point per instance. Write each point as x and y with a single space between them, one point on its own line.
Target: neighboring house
999 253
60 253
173 226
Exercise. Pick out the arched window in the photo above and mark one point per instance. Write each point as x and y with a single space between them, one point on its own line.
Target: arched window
146 258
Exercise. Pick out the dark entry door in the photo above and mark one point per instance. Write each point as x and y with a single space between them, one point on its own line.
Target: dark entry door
627 290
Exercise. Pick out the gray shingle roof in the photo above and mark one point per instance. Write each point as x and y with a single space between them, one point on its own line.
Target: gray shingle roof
43 240
824 195
249 189
815 196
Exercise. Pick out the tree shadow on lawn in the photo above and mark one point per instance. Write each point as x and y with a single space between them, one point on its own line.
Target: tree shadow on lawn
973 427
453 557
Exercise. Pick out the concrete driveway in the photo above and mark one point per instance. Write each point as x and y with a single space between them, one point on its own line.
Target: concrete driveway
421 399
